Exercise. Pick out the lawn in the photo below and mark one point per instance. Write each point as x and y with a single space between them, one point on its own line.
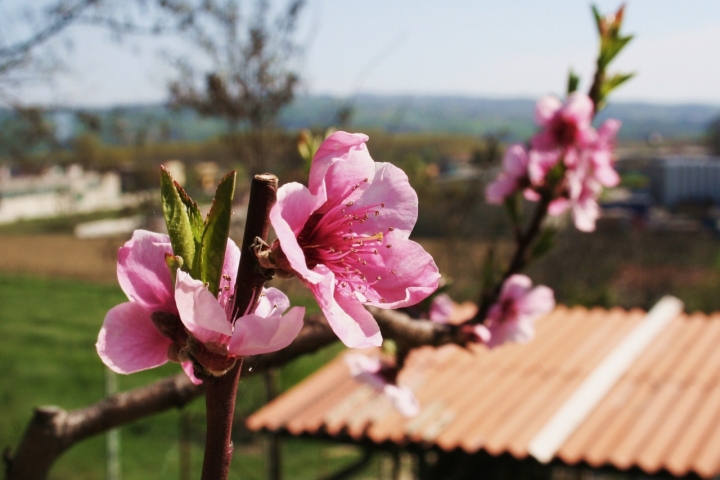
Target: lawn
48 329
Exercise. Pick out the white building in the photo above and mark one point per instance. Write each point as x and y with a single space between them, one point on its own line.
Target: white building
58 192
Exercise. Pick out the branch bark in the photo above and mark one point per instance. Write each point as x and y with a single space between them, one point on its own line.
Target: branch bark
53 430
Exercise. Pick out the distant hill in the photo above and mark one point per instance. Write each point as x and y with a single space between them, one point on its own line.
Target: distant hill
445 114
476 116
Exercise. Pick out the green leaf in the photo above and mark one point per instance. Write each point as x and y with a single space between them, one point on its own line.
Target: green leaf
573 81
544 243
613 82
215 235
196 222
598 18
177 220
611 49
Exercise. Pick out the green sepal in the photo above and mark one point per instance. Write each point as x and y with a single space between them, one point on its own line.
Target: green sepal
573 82
216 232
173 262
177 220
544 243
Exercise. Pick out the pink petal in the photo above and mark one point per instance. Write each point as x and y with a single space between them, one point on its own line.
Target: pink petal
607 176
608 130
389 187
538 302
353 325
500 188
585 213
231 261
539 164
200 311
407 273
515 161
546 108
294 206
580 108
515 287
441 308
254 335
142 272
129 342
190 372
341 162
358 364
403 399
531 195
273 301
558 206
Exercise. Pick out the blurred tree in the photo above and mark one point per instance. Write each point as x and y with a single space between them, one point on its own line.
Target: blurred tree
251 76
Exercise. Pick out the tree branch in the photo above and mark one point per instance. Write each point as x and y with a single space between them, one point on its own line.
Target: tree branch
53 430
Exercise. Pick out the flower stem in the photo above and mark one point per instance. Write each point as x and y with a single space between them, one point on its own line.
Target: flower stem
221 391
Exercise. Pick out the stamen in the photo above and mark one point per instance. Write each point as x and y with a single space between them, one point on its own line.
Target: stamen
390 229
388 245
393 271
350 204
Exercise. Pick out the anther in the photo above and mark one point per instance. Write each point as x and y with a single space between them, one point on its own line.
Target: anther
377 213
349 204
378 277
390 229
375 251
382 204
382 300
393 271
366 180
388 245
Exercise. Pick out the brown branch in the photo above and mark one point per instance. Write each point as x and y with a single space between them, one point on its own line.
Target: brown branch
221 391
53 430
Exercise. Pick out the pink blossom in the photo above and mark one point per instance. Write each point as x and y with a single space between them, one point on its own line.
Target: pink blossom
564 125
130 339
346 236
515 170
512 318
371 371
209 319
441 308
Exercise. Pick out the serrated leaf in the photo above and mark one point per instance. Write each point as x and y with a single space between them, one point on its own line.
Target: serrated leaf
215 235
177 220
196 221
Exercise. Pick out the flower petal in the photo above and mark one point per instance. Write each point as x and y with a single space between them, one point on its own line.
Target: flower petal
350 150
537 302
407 273
190 372
515 287
254 335
199 310
500 188
294 206
142 272
391 196
273 302
353 325
129 342
403 399
545 109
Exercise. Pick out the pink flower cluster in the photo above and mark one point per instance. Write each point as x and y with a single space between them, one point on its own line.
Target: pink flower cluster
569 144
371 371
345 236
185 322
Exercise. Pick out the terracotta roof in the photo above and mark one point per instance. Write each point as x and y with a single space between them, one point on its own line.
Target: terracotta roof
661 412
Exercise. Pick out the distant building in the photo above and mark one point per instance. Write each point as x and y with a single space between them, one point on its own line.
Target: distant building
675 180
59 192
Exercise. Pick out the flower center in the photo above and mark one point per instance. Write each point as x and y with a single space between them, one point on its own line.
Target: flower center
563 131
331 239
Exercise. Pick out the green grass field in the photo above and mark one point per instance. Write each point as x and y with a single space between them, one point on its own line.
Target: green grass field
48 328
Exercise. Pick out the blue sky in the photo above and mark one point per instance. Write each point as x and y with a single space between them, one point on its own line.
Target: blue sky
510 48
